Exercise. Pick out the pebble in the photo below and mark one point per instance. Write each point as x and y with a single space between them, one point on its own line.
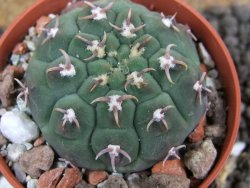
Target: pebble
172 167
213 73
3 140
231 41
135 181
96 177
19 173
4 183
200 160
18 127
205 56
50 178
243 72
41 23
37 159
39 141
71 178
83 184
32 183
7 86
14 151
114 182
241 12
167 181
215 132
20 49
229 25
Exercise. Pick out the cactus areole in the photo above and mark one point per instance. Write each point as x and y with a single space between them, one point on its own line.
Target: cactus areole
114 86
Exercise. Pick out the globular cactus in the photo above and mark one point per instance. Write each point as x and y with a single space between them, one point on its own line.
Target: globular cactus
114 86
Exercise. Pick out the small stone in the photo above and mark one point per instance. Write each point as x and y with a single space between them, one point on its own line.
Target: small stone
134 181
246 57
15 151
167 181
28 146
242 12
219 11
213 73
7 86
4 183
231 41
31 46
205 56
96 177
32 183
71 178
229 24
243 72
39 141
83 184
37 159
201 159
172 167
114 182
20 49
50 178
41 23
3 140
215 131
25 129
19 173
199 132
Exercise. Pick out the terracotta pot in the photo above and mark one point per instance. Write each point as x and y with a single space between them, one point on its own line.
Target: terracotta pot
186 15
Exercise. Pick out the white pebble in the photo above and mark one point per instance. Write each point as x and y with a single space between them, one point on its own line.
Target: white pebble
14 59
18 127
238 148
14 151
32 183
28 146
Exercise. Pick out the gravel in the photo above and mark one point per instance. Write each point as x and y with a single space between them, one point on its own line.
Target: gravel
233 24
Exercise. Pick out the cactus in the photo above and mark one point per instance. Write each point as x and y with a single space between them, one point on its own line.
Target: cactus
115 86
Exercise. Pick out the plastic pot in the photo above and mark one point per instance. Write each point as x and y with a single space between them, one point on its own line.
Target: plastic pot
186 15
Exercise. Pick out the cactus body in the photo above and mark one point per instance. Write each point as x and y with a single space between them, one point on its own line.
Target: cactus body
113 87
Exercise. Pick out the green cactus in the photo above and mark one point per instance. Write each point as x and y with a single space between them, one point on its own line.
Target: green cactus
114 86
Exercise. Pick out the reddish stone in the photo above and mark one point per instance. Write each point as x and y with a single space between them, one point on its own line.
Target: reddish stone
71 178
41 23
20 48
95 177
203 67
50 178
39 141
172 167
198 133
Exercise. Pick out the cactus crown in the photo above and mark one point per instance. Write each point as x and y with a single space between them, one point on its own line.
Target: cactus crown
114 86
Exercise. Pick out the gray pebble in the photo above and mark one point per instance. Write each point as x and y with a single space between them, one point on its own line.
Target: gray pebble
213 73
114 182
229 25
167 181
19 173
243 72
241 12
15 151
218 11
200 160
246 58
84 184
231 41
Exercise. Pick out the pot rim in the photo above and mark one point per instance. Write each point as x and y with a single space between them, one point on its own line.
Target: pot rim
202 29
